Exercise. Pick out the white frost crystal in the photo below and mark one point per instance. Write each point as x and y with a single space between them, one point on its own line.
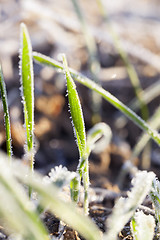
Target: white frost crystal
155 196
60 176
125 207
144 226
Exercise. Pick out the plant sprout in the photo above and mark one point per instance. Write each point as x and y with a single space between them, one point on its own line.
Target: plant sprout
126 207
85 147
79 128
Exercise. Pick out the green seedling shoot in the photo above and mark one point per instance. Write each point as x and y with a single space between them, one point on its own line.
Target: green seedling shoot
27 91
79 128
6 114
85 147
125 208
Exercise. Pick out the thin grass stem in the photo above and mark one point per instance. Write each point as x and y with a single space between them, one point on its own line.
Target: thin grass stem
147 96
6 114
141 143
94 64
86 183
133 76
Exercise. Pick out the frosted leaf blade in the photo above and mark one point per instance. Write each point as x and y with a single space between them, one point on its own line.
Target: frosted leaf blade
65 211
6 113
155 197
75 109
19 213
125 207
26 70
142 226
27 88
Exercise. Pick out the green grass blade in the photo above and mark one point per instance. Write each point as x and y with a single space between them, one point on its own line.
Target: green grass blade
94 65
147 96
67 213
49 198
42 59
125 207
78 123
27 81
74 189
6 114
155 197
76 110
19 213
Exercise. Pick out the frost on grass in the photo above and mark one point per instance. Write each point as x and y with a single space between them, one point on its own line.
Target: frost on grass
142 226
60 176
155 196
6 113
27 87
75 109
125 207
98 137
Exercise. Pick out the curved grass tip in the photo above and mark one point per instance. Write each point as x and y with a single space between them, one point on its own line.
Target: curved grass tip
98 137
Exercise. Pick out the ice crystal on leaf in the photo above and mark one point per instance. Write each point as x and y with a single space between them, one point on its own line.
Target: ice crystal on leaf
125 207
155 197
60 176
142 226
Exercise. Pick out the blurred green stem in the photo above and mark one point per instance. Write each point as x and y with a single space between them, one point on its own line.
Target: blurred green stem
130 68
94 65
133 76
6 114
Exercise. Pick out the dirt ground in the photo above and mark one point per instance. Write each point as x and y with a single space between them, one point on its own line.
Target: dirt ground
54 28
